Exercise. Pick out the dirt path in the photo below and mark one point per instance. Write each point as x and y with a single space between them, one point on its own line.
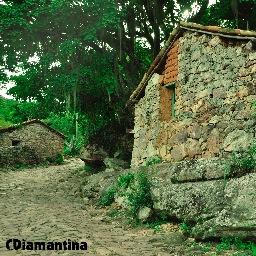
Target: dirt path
39 205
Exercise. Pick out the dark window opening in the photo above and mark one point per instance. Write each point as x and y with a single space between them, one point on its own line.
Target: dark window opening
15 142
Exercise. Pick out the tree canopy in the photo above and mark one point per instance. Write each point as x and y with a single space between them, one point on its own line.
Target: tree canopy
87 56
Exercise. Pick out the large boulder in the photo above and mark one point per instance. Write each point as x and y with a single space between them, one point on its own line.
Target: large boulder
199 193
145 214
93 155
237 140
115 163
95 184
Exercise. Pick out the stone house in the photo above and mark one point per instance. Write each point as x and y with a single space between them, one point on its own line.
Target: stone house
30 142
195 101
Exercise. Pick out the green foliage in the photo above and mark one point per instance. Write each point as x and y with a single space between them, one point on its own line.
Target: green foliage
59 159
4 124
185 228
19 166
108 196
156 223
138 194
155 227
88 169
28 110
243 162
134 187
153 160
114 213
235 242
19 111
65 123
125 180
7 108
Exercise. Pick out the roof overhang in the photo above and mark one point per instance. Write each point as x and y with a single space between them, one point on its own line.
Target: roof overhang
175 34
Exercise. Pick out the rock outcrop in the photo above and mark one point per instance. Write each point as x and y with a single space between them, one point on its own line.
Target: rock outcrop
199 193
212 197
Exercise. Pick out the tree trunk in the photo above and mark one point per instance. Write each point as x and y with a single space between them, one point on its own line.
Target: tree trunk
74 98
67 96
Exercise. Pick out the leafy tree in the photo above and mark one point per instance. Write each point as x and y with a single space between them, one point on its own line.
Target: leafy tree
91 54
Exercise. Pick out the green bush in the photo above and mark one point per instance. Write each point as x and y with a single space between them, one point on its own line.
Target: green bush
65 123
133 186
185 228
138 194
59 159
108 197
153 160
125 180
4 124
243 162
228 243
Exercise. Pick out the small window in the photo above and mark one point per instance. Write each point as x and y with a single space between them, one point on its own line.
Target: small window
171 87
15 142
167 104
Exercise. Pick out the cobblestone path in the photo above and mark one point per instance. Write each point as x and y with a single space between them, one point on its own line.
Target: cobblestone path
39 205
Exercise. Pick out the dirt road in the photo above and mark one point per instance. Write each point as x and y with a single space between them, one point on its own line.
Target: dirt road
40 204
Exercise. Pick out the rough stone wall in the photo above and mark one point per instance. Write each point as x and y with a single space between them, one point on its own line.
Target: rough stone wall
18 155
215 89
147 125
33 138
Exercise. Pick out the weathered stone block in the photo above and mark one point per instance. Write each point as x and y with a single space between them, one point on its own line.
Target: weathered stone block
219 93
178 153
144 214
213 142
179 138
237 140
217 207
195 131
193 148
215 41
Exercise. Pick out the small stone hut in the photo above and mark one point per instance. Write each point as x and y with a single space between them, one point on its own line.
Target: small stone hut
195 101
29 143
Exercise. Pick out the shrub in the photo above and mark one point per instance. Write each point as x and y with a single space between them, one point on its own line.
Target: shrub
244 162
65 123
108 196
4 124
185 228
133 186
153 160
139 194
228 242
59 159
125 180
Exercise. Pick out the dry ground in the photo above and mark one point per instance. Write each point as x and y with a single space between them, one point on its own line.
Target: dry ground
41 204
